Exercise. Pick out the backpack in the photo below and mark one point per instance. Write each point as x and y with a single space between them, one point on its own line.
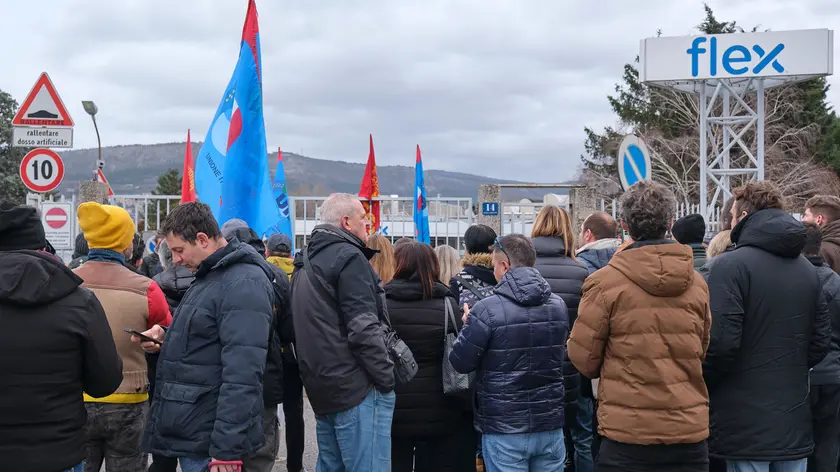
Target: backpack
473 290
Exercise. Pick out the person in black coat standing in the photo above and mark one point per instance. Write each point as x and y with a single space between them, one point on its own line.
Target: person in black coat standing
554 241
428 428
770 327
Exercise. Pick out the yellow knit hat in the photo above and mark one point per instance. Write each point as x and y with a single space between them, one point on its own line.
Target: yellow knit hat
106 226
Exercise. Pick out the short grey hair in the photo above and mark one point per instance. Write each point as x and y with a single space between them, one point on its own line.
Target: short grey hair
647 208
336 207
164 254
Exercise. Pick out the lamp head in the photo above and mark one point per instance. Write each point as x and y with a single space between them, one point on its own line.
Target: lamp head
90 107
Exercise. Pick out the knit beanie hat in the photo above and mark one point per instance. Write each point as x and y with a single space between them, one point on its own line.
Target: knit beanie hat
689 229
20 228
106 226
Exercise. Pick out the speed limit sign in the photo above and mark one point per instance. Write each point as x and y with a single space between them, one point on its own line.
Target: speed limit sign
42 170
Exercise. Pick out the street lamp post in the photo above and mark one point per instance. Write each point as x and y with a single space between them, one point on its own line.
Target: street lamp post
91 110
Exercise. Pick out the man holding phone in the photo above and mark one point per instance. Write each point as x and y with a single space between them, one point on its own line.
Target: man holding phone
131 301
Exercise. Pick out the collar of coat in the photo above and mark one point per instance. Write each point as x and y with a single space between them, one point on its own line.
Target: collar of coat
480 260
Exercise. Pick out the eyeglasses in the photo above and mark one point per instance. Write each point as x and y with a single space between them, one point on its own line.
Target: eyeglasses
498 243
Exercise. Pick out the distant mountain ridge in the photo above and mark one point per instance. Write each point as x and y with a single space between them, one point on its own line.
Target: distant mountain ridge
134 169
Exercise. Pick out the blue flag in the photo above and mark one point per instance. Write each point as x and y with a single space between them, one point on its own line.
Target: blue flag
421 213
231 170
282 199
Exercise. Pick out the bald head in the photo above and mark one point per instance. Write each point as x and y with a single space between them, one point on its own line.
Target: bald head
346 212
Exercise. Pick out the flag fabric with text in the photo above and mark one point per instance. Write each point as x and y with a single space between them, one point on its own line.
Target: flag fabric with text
282 199
231 170
369 190
188 178
421 212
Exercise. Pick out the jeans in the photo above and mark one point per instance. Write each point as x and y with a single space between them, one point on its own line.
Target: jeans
358 439
194 465
799 465
113 433
78 468
825 415
526 452
581 429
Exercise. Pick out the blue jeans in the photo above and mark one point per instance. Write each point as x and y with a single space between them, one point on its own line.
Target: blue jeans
581 429
527 452
799 465
358 439
78 468
193 465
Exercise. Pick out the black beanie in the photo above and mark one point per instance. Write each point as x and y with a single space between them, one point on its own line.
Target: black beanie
20 228
690 229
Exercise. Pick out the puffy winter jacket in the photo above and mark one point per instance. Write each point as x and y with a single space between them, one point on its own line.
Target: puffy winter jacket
514 341
208 399
827 372
770 326
596 255
698 252
830 249
174 282
422 409
340 344
643 329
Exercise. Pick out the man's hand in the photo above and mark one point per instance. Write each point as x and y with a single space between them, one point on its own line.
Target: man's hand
225 466
156 332
466 313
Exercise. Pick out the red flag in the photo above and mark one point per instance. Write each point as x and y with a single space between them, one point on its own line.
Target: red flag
370 190
188 179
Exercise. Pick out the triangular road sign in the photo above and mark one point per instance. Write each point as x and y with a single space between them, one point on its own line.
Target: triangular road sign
43 107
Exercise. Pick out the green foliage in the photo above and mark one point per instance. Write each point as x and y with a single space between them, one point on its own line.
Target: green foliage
11 187
168 183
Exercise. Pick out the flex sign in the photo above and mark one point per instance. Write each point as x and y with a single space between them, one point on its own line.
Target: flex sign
740 55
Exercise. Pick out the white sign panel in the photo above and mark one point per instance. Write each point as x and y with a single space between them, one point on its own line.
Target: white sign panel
742 55
58 219
42 137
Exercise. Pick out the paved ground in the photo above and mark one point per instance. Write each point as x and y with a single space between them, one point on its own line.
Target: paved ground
310 454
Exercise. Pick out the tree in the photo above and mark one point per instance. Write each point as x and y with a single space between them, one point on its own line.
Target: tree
168 183
801 134
11 187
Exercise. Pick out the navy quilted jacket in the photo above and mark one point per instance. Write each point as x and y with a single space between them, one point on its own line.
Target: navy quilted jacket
515 341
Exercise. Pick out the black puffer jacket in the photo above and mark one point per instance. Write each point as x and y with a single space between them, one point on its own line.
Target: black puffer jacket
515 341
565 276
422 409
827 372
58 344
770 325
340 345
208 400
174 282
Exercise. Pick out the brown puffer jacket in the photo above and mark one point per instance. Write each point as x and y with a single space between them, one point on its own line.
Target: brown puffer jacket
830 248
643 327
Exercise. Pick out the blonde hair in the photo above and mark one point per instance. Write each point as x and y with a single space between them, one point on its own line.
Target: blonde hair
718 244
450 263
553 222
383 263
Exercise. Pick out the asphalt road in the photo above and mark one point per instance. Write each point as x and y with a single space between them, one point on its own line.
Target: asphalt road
310 453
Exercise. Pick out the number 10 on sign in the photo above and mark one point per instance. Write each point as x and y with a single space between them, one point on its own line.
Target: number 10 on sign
42 170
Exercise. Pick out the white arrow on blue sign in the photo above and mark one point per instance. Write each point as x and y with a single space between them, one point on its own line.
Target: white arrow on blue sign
633 161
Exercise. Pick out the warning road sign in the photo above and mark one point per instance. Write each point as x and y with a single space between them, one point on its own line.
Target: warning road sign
41 170
57 218
31 136
43 107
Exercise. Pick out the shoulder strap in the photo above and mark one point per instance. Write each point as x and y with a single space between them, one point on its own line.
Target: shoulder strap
449 316
470 286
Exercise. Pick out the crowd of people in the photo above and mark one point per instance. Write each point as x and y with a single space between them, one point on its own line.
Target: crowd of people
574 349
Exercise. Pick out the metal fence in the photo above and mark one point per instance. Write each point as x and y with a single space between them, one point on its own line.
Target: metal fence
148 211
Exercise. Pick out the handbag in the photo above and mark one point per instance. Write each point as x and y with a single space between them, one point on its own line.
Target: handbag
405 367
453 382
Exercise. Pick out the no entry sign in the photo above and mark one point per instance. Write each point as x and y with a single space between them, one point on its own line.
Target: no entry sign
57 218
42 170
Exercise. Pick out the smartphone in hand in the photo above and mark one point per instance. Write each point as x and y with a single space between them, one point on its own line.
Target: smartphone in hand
141 336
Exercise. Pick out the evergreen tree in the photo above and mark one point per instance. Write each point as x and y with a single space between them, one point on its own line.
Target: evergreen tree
11 187
168 183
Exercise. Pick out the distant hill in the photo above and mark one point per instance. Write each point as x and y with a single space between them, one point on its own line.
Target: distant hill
134 169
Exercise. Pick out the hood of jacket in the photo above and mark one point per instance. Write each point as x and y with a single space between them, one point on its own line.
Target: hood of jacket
772 230
248 236
234 253
286 264
550 247
33 278
324 236
410 290
525 286
607 243
831 232
480 266
661 268
175 280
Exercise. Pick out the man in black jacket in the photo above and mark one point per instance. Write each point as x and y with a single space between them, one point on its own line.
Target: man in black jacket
58 344
770 327
208 404
825 378
337 307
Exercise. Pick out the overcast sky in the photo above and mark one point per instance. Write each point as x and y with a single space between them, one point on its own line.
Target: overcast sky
493 87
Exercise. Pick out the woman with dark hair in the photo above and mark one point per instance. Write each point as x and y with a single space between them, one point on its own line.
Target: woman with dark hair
431 431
